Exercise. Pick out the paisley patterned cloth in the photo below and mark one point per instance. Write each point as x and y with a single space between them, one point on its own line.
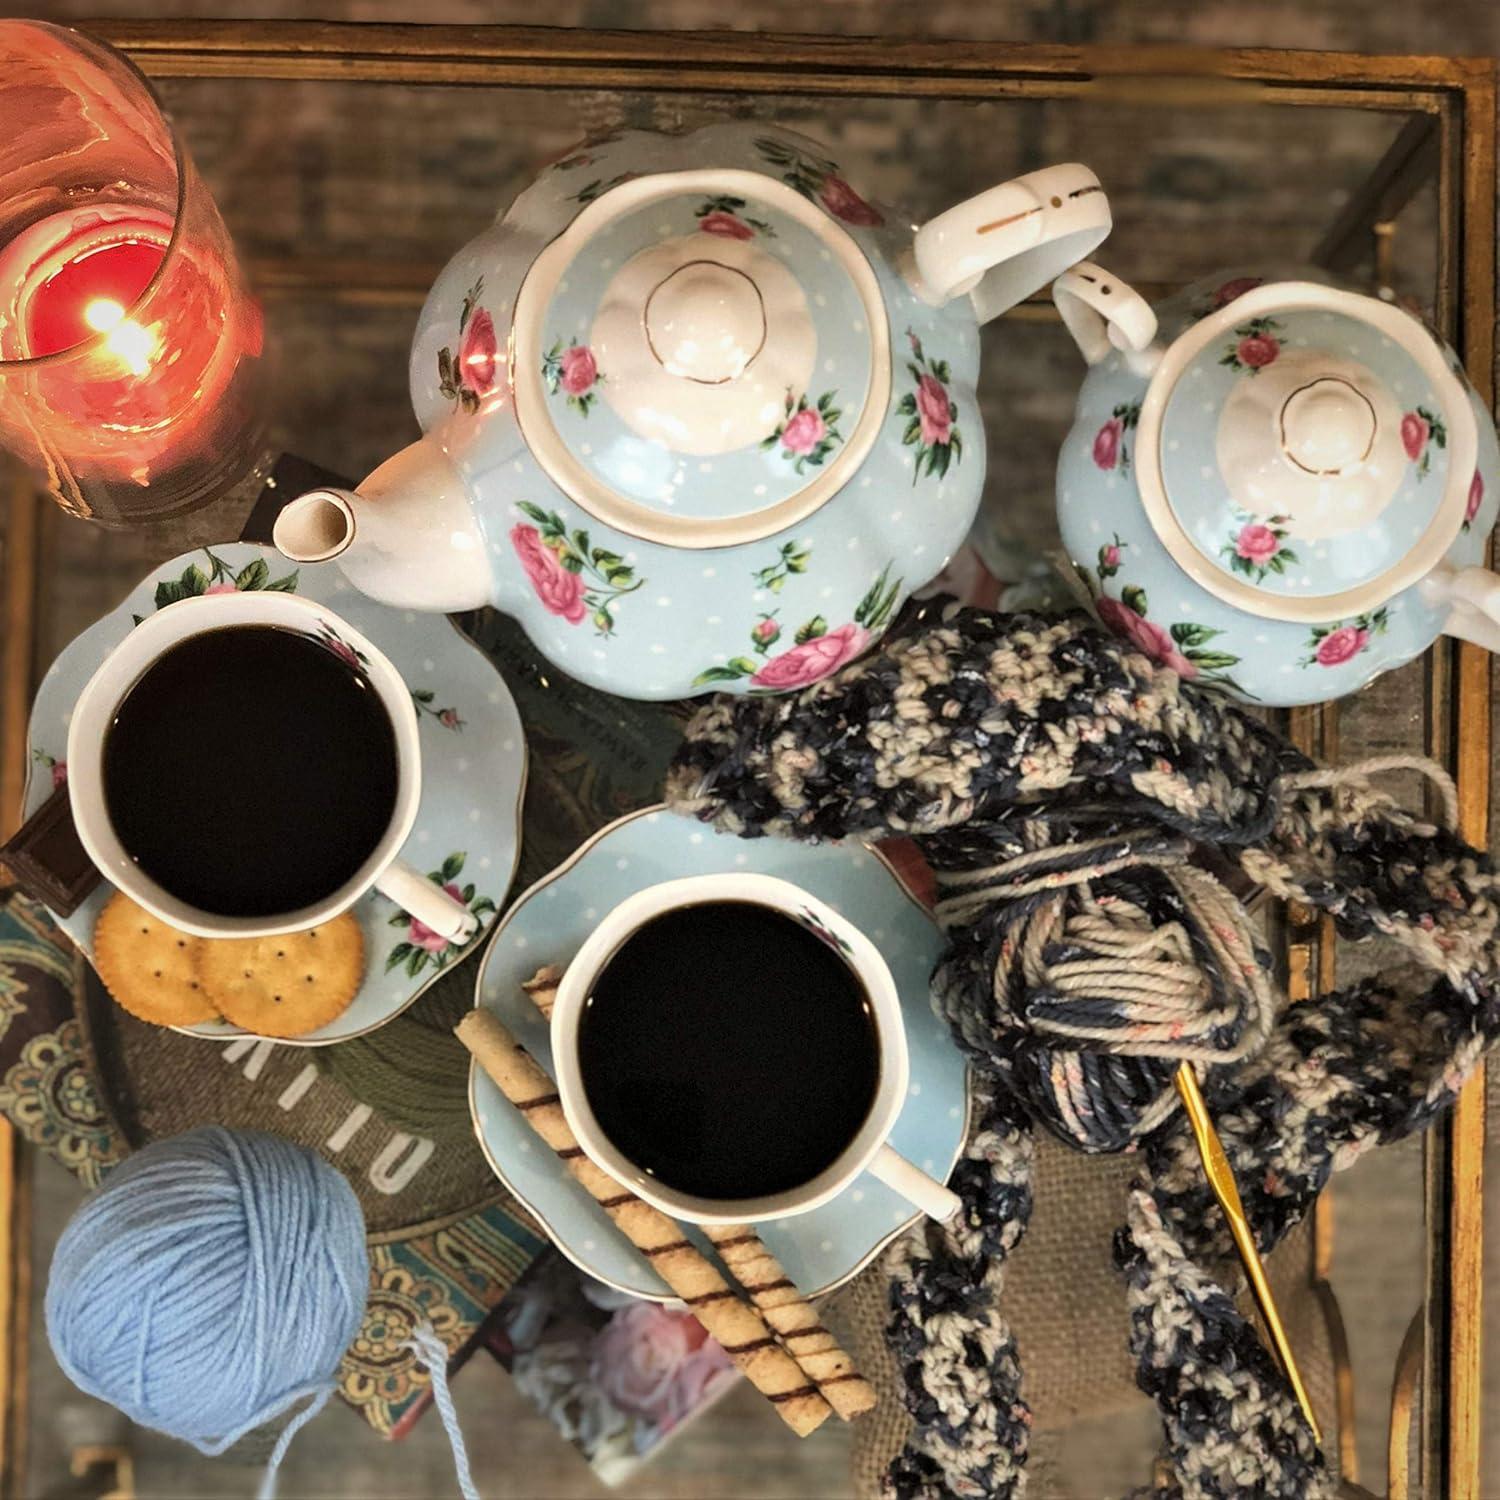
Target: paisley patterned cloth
451 1276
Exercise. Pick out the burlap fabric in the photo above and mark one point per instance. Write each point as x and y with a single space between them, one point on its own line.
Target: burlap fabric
1066 1303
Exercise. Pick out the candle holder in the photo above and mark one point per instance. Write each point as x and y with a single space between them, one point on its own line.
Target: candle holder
133 370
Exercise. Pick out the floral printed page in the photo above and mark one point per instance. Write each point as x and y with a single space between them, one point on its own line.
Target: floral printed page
617 1376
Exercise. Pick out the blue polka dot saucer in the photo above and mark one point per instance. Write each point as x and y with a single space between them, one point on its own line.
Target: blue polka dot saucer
468 830
820 1249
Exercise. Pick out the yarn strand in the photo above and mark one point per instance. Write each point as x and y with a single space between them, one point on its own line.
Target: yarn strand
433 1353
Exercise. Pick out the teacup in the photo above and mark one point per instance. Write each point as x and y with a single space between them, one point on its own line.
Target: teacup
98 708
867 1148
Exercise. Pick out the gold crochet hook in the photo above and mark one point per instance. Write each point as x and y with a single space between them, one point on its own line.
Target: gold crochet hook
1221 1180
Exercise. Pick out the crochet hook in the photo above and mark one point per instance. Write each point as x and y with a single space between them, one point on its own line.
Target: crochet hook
1221 1180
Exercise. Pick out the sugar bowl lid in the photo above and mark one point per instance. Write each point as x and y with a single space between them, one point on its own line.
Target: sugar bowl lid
1305 453
701 358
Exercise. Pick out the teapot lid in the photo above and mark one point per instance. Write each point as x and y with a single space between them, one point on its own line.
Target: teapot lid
701 358
1305 453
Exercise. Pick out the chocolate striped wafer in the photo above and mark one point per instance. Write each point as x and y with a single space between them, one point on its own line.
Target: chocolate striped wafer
739 1330
761 1276
822 1359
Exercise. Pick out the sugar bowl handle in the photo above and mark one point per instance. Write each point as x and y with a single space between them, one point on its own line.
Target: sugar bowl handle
1102 312
1010 241
1473 599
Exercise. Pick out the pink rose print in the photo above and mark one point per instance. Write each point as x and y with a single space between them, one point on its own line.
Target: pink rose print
420 947
812 660
1109 557
809 430
471 374
220 588
420 935
717 221
765 632
657 1363
574 372
449 719
1333 646
1107 443
579 371
57 768
1236 288
844 203
1258 350
1256 346
1144 635
1340 645
1414 431
560 591
220 577
803 431
476 353
1476 499
934 410
1257 543
341 648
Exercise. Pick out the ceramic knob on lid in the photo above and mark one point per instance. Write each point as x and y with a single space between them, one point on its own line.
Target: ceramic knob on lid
1305 453
701 358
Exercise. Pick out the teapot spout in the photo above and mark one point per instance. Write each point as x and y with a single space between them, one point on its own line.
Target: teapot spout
407 536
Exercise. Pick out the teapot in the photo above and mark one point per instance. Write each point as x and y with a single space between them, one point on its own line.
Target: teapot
1279 487
697 413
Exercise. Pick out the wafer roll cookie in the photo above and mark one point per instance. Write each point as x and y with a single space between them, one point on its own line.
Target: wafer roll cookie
770 1289
736 1326
541 988
792 1316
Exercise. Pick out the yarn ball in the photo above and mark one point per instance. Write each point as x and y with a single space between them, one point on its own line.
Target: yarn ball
212 1283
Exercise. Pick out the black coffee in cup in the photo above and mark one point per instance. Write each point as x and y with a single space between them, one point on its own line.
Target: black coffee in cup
728 1051
251 771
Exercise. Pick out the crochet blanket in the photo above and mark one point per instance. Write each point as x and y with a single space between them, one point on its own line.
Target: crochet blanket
1064 787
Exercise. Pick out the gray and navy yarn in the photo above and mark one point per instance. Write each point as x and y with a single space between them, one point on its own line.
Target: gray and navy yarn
1064 789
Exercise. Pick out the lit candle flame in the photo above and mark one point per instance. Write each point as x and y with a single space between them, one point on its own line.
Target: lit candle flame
126 339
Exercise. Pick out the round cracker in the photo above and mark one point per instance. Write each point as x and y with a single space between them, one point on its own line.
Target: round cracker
151 969
287 985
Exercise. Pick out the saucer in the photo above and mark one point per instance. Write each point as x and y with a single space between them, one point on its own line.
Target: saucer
467 833
822 1248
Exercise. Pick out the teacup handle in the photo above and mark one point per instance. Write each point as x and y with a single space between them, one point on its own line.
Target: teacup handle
1010 241
936 1201
1473 597
1102 312
430 904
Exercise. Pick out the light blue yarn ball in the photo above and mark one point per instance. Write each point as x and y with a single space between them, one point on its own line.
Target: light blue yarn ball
212 1283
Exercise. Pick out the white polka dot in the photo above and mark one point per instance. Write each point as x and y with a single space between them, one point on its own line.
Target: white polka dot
428 664
742 859
953 1113
878 933
857 1196
900 1216
695 838
710 573
715 620
462 763
475 814
590 913
826 1246
622 863
423 837
828 366
928 1164
915 1090
524 1147
410 616
507 746
896 515
664 602
485 862
658 650
522 943
759 489
705 468
493 695
590 1245
783 1223
826 593
852 543
858 325
550 893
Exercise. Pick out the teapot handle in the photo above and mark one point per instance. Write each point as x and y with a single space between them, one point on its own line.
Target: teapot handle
1102 312
1010 241
1473 597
